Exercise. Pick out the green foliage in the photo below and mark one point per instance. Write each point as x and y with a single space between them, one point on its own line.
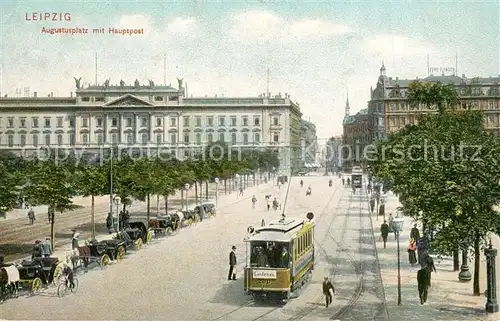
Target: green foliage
432 95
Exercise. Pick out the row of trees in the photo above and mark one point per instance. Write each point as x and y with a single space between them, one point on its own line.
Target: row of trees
445 171
56 179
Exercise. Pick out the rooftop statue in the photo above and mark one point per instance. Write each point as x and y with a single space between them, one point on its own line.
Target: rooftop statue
78 82
122 83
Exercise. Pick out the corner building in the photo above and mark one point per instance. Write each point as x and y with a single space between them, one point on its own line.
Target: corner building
154 119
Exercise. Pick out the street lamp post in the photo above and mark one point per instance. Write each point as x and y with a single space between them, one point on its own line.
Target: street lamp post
186 188
238 182
216 191
117 201
397 225
491 289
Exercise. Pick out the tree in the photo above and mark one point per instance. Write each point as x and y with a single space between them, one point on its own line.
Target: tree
144 175
8 189
50 185
91 179
453 188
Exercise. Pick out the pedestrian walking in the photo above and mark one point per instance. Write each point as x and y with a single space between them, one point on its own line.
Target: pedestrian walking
328 289
31 216
415 233
241 191
412 256
254 201
384 231
423 279
232 264
343 181
372 205
263 223
428 263
47 248
422 248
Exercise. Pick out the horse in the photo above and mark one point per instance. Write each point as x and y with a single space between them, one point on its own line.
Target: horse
9 282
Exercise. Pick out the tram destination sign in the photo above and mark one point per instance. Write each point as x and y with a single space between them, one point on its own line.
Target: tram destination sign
264 274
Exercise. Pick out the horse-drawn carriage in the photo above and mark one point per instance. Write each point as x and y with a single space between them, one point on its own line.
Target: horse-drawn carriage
29 275
164 225
131 238
139 228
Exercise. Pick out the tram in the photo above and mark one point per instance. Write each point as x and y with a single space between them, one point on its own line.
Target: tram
281 257
357 177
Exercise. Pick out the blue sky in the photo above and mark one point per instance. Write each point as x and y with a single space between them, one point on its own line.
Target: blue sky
315 50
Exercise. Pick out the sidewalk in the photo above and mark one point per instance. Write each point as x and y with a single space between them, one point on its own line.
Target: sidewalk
448 298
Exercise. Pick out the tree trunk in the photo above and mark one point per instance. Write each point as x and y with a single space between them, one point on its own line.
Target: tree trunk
148 210
201 191
477 262
206 190
456 261
92 215
196 192
182 199
52 232
165 197
225 186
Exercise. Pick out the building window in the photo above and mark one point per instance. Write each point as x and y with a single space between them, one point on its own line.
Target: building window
130 139
173 153
491 104
210 138
114 138
210 121
185 120
198 121
198 138
10 140
86 99
47 122
85 139
256 121
158 139
186 138
222 121
34 122
144 122
245 121
233 138
173 121
144 138
158 98
245 138
158 121
35 140
276 138
22 122
72 139
47 140
85 122
186 153
71 122
59 122
222 137
59 139
233 121
128 121
99 139
276 121
114 122
99 122
173 138
256 137
99 99
23 140
10 122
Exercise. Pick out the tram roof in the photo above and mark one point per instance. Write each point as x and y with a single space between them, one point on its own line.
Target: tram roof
278 231
271 236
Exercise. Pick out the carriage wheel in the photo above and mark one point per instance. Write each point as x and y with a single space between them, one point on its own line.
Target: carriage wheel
196 219
149 237
169 231
189 222
104 261
36 285
120 253
138 244
58 272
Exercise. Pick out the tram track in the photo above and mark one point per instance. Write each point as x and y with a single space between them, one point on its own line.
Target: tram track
252 302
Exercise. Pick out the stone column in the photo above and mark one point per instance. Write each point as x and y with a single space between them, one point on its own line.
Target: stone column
152 125
77 129
136 128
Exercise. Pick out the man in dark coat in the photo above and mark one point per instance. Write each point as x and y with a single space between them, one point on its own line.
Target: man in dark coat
422 248
415 233
423 278
384 230
428 264
232 263
327 287
37 251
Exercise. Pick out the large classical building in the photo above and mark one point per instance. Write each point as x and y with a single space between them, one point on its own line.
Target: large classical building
309 141
355 137
389 110
155 118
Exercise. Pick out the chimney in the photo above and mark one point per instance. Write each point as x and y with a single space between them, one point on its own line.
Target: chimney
71 94
35 94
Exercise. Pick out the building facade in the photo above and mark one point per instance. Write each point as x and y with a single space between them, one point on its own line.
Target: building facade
309 142
355 137
149 117
389 110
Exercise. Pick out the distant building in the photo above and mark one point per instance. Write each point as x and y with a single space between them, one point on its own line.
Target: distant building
152 118
355 137
389 111
333 153
309 142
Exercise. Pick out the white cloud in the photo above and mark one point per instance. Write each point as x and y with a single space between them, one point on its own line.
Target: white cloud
182 25
264 25
396 45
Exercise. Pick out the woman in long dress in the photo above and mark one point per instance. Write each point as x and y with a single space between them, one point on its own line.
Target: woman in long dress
412 257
